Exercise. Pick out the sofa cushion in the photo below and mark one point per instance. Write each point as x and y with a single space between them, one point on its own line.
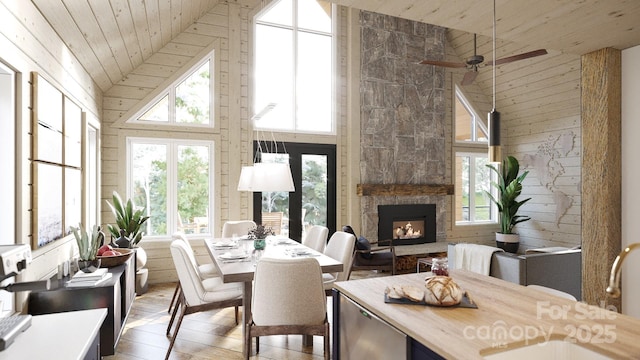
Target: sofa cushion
363 244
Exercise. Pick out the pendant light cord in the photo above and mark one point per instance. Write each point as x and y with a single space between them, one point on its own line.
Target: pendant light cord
494 54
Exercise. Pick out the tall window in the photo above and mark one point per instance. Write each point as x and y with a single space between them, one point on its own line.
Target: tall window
472 177
172 180
293 66
187 102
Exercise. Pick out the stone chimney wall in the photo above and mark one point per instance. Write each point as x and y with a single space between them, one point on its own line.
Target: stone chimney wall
402 113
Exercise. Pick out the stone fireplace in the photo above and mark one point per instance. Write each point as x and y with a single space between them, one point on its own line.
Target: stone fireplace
403 117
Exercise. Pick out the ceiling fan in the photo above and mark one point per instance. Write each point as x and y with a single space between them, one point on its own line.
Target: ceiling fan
474 62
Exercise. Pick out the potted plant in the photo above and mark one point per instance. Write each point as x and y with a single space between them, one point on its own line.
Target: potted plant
258 234
129 221
88 246
509 188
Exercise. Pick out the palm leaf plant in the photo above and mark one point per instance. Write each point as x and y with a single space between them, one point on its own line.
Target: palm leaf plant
128 218
509 188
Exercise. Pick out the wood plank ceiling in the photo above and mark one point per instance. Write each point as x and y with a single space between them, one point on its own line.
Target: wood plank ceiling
575 27
110 38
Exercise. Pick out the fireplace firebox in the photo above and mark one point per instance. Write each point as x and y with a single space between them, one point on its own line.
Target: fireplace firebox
406 224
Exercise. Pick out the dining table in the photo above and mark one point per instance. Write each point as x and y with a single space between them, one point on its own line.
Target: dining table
236 260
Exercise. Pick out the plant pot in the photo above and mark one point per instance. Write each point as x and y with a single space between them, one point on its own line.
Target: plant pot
508 242
88 266
141 258
259 244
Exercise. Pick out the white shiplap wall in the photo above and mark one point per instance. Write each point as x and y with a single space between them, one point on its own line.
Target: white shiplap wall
539 101
29 44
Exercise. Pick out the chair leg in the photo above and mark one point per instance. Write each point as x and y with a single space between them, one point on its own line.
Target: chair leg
173 299
236 315
247 343
327 347
257 344
175 311
175 333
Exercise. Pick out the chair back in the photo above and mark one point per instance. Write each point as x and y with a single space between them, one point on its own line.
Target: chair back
288 292
187 270
316 238
238 227
179 235
273 220
340 247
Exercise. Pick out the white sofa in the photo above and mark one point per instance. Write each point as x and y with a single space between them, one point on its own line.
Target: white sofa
561 270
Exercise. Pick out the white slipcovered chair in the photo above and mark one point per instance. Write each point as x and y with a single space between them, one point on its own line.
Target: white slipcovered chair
288 298
316 238
198 294
340 247
238 227
205 271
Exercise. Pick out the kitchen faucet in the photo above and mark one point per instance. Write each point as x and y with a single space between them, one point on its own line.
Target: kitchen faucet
614 279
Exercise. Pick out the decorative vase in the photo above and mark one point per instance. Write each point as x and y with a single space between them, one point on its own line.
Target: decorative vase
123 240
508 242
88 266
259 244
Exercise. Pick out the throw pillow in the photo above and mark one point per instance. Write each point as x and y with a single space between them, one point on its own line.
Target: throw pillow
363 244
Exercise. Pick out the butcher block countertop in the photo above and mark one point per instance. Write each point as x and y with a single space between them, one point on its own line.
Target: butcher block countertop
508 316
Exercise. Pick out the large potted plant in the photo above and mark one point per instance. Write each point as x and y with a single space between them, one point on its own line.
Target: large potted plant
129 221
509 187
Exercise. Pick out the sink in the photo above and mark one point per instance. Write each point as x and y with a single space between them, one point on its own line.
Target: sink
553 349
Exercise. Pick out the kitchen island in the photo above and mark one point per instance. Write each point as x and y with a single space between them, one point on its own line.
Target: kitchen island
508 316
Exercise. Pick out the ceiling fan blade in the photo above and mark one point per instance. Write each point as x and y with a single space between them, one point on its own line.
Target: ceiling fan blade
443 63
469 77
522 56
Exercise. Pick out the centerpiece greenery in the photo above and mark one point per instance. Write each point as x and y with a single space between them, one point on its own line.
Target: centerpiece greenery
258 234
509 187
129 218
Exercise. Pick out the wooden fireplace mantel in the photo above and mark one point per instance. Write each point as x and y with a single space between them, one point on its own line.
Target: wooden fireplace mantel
404 189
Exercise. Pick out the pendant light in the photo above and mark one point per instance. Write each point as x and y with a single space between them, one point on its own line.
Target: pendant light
267 177
495 152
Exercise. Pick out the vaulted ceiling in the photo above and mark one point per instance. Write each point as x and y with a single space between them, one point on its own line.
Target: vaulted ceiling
112 37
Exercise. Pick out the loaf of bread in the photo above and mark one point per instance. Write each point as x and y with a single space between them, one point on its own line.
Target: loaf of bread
442 291
409 292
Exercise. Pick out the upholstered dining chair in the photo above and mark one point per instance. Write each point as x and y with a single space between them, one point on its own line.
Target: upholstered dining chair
340 247
238 227
316 238
205 271
288 298
381 258
198 294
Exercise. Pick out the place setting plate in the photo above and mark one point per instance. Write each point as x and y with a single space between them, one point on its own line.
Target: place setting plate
234 255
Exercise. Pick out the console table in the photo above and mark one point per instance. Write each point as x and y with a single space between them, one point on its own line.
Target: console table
116 295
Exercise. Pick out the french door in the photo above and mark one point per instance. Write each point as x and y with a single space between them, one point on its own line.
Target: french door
313 167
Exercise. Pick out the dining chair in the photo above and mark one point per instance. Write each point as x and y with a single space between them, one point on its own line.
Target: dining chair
288 298
238 227
197 294
205 271
340 248
380 258
316 238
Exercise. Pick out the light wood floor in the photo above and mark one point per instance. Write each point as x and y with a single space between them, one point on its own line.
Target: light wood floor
205 335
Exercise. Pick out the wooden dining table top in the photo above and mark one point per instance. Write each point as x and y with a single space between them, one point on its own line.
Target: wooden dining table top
236 263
